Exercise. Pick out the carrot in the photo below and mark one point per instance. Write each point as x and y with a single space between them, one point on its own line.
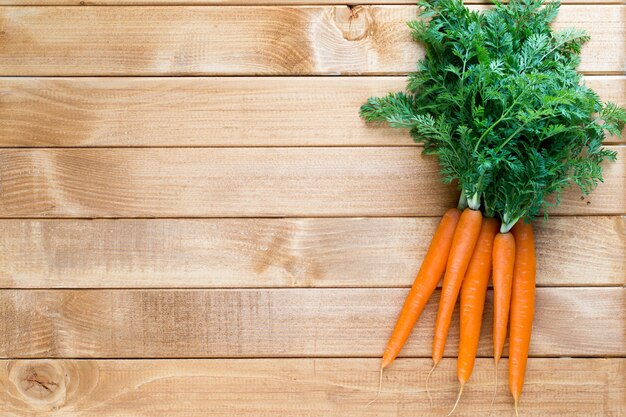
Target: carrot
423 287
473 292
463 243
522 306
425 283
503 262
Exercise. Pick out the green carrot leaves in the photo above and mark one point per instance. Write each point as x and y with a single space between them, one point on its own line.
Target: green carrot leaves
497 98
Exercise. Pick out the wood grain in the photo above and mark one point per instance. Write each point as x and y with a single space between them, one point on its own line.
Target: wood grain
321 344
239 111
351 322
225 40
247 182
301 387
368 252
241 2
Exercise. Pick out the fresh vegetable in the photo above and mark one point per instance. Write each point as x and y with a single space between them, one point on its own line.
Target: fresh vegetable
463 243
473 293
424 285
426 281
498 100
522 306
503 262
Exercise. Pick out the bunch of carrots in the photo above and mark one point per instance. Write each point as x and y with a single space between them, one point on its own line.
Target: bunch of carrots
498 100
470 249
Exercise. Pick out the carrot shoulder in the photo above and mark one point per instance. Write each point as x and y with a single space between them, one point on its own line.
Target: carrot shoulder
461 251
473 293
522 306
425 283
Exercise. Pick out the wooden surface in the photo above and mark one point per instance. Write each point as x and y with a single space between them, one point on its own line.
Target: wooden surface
217 111
181 237
349 322
301 387
345 252
248 182
246 2
230 40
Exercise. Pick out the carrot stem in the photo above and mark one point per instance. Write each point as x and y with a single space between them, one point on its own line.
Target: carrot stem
462 201
508 223
474 201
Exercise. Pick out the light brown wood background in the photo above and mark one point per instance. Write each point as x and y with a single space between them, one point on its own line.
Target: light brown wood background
195 222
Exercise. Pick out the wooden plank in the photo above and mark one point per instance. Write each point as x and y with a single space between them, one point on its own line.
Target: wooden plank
240 2
240 111
371 252
246 182
225 40
301 387
278 323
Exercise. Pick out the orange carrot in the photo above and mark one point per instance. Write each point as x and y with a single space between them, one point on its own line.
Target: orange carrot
503 262
463 244
522 306
425 283
473 292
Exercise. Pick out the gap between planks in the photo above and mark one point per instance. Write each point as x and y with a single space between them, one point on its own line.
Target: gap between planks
278 217
505 355
232 289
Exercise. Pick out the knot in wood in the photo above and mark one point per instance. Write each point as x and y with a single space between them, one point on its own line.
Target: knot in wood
41 384
354 22
38 384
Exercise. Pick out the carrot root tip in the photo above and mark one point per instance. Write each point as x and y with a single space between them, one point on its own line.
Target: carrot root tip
380 385
495 387
458 398
516 411
430 397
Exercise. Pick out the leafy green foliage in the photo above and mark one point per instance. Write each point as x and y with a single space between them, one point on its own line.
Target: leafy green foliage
497 98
